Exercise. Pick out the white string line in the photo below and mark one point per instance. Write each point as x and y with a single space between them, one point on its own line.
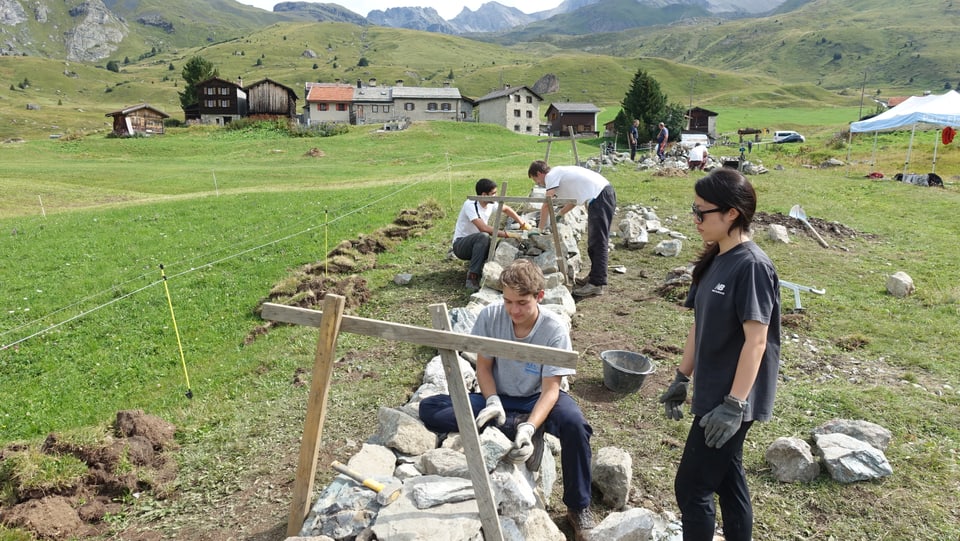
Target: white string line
192 269
206 265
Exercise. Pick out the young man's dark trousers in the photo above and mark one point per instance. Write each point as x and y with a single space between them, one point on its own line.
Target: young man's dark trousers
600 213
565 421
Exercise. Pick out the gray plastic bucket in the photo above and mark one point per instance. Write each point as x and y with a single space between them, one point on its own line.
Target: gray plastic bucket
624 371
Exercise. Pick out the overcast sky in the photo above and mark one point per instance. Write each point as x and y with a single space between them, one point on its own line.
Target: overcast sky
447 9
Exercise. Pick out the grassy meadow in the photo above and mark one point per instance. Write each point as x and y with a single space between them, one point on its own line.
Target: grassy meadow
86 329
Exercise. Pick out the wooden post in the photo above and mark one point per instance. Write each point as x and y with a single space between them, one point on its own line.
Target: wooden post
496 223
546 158
557 245
573 140
316 411
463 411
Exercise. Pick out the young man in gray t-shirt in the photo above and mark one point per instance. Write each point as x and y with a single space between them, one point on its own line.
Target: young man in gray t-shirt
524 399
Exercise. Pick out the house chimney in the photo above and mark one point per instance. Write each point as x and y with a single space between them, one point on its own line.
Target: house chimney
506 86
240 81
400 82
359 83
446 84
337 80
373 81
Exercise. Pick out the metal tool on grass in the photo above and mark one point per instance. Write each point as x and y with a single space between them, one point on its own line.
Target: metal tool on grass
386 494
797 212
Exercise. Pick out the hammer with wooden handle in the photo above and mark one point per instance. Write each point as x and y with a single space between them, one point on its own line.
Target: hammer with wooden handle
386 494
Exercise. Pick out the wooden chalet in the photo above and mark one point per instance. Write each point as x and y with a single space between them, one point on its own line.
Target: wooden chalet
268 99
700 120
138 119
581 116
219 101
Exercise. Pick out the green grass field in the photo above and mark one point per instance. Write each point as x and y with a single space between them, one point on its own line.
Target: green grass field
86 326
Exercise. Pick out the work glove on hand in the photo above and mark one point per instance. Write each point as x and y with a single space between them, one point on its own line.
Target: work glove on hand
675 396
493 411
522 444
723 421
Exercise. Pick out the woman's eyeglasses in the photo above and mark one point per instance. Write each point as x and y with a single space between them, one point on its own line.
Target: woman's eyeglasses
698 214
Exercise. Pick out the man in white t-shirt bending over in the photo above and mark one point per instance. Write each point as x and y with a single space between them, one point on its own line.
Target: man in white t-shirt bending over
591 189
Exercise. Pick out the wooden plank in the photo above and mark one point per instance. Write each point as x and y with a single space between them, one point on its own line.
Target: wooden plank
546 157
573 140
316 412
520 199
469 437
493 347
494 240
557 245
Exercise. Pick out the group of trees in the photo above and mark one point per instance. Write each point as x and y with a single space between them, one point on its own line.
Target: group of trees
644 101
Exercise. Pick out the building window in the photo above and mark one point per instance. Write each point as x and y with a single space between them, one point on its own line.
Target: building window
323 106
408 106
529 114
209 91
375 108
516 127
386 108
516 113
341 107
516 98
431 106
224 103
529 99
210 103
224 91
529 129
445 107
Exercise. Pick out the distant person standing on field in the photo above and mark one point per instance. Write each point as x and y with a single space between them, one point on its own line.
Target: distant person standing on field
633 136
662 137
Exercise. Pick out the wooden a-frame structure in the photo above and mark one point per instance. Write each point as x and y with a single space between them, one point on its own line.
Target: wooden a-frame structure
331 321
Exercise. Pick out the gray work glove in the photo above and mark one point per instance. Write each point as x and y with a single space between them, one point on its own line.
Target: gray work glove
723 421
522 444
493 411
675 396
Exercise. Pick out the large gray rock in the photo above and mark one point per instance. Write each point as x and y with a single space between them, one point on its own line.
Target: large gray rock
374 460
792 461
631 525
403 521
612 471
900 284
402 432
850 460
864 431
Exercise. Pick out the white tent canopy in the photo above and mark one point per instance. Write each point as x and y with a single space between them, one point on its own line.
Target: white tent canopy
923 112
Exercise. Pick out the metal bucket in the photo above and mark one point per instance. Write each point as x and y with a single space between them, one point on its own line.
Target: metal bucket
624 371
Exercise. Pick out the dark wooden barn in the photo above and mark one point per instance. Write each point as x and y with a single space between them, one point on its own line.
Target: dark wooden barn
269 99
581 116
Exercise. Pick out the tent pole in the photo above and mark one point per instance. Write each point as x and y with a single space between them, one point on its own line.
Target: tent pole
909 149
849 144
936 144
873 158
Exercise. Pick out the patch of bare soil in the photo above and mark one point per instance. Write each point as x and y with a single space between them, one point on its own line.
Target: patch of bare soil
132 460
836 230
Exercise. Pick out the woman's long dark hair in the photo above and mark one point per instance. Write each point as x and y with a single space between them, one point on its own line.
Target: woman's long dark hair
728 189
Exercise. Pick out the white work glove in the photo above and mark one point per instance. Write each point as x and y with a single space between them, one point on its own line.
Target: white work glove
522 444
493 411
